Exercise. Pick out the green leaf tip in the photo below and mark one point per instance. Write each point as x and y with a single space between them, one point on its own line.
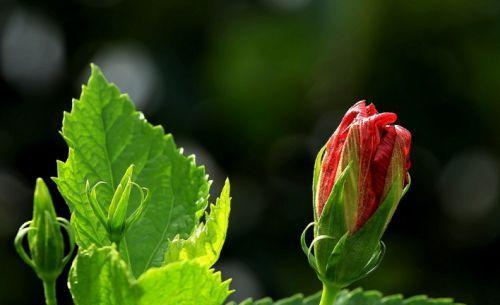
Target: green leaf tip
96 72
205 244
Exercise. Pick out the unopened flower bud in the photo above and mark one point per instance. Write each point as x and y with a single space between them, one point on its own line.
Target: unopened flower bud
360 176
117 212
116 221
45 239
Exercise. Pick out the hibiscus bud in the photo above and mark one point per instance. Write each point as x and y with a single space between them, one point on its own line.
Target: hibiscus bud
45 239
116 221
360 176
378 153
117 211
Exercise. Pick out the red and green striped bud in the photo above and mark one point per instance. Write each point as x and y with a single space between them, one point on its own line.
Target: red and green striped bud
359 178
117 221
45 239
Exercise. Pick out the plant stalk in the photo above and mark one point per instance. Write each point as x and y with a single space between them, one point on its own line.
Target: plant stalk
49 288
329 294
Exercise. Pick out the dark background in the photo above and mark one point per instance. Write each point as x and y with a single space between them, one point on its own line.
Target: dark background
254 88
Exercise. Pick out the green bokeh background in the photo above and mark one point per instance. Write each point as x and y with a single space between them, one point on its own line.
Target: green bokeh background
254 88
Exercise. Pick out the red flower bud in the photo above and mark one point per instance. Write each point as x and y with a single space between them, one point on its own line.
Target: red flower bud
377 151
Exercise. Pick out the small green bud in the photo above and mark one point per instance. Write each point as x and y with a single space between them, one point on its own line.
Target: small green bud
117 212
45 239
116 221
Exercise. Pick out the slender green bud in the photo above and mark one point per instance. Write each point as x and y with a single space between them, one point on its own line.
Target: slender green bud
117 212
45 241
116 221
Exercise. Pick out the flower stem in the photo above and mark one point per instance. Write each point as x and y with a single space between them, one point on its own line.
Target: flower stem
49 288
329 294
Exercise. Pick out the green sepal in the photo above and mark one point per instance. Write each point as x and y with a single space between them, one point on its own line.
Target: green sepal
331 222
336 254
94 202
362 251
136 215
316 174
307 249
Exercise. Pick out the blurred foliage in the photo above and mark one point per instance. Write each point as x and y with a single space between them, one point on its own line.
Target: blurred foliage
254 88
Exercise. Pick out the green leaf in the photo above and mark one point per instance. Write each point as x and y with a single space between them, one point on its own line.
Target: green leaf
101 277
205 244
297 299
182 283
354 297
106 135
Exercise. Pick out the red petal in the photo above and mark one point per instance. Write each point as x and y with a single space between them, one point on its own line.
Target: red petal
375 182
405 136
377 139
371 109
376 145
333 151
